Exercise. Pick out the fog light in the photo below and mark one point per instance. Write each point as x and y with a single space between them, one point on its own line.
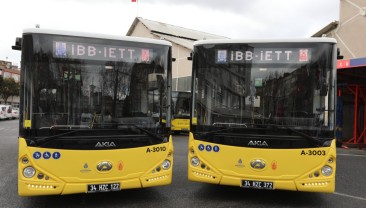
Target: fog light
195 161
166 164
29 172
25 160
327 170
40 176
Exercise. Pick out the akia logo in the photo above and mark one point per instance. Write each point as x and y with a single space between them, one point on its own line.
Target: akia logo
105 144
258 143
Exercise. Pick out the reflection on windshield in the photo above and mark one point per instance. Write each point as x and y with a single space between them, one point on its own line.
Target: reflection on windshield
98 95
291 94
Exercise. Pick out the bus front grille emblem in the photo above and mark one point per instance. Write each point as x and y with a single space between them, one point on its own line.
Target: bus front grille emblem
104 166
257 164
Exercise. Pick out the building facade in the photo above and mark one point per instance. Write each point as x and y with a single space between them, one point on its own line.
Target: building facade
350 30
182 45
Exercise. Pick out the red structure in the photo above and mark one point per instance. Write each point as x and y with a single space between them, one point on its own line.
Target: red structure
359 128
351 82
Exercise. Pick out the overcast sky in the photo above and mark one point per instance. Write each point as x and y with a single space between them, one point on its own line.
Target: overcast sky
230 18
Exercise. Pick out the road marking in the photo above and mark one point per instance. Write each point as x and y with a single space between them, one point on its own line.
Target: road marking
352 155
350 196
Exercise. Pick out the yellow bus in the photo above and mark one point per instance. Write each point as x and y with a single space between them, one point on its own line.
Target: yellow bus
265 114
180 116
91 113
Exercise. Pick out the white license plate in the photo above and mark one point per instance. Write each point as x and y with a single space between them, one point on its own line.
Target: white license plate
257 184
95 188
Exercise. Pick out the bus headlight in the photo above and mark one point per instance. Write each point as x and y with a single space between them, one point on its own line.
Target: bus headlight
166 164
327 170
29 172
195 161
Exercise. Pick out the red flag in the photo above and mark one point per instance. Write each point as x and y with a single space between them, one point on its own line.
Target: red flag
133 0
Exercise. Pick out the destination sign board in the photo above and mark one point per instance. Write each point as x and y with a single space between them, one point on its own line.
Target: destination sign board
264 55
72 50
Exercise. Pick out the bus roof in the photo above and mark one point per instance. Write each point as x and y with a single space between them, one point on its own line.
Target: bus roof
96 35
288 40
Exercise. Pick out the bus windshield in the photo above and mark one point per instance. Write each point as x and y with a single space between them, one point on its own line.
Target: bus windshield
249 85
94 85
181 102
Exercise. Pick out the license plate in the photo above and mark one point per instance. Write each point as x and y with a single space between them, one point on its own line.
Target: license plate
95 188
257 184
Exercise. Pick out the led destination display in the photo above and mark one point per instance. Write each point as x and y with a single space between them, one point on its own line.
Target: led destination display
264 55
73 50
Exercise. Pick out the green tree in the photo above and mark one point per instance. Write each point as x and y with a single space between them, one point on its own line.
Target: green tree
8 88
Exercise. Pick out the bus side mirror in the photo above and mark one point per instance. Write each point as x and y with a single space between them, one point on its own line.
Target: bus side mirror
189 58
339 56
18 44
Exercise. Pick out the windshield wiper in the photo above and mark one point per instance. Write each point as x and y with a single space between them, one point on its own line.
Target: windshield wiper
40 141
244 126
316 141
155 136
43 140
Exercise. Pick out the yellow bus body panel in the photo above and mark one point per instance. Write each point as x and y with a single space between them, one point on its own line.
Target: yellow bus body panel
288 169
72 170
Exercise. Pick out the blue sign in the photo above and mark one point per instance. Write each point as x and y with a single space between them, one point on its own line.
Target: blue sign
358 62
209 148
37 155
46 155
216 148
56 155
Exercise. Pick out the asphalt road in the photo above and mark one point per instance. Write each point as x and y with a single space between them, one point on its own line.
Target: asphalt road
350 186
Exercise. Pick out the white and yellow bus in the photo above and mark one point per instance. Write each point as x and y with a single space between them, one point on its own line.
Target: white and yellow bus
180 116
265 114
91 113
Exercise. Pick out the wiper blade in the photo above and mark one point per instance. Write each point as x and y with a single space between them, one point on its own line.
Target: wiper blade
155 136
40 141
306 136
317 141
221 131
